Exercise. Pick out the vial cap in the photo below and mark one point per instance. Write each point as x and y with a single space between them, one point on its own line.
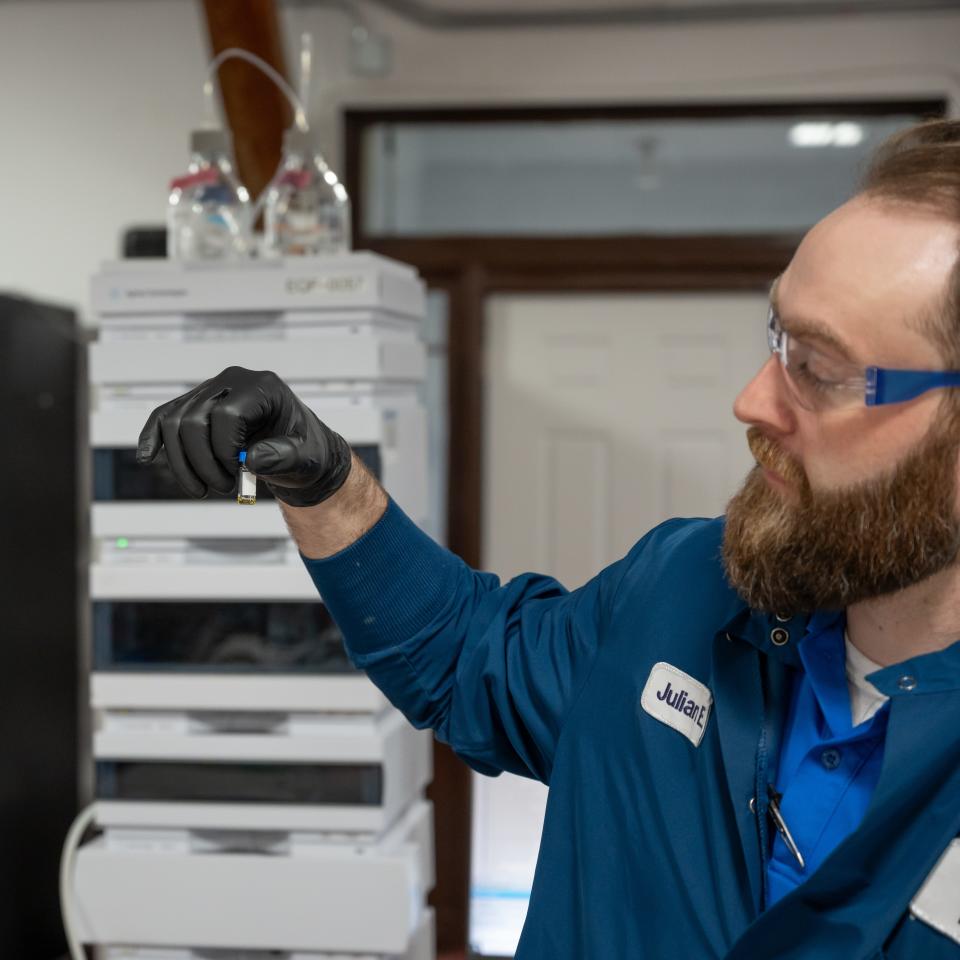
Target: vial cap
209 141
243 456
300 141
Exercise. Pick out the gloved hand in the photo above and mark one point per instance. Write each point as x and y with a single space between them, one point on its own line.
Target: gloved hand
298 457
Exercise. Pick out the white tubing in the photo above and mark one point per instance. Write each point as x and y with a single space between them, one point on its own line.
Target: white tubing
235 53
67 863
306 62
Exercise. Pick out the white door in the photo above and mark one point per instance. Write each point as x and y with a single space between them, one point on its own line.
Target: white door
604 415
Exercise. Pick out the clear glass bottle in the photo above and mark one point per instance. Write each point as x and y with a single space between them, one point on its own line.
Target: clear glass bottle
208 215
307 207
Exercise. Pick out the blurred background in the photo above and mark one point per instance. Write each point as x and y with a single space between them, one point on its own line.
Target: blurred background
595 196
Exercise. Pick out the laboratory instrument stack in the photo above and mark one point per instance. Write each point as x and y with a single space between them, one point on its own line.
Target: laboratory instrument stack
258 797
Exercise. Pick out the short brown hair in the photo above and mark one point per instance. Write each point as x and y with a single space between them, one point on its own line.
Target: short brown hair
921 166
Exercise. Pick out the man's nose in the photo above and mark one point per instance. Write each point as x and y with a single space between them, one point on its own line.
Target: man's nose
764 401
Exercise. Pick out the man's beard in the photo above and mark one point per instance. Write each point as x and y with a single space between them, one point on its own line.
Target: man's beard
826 550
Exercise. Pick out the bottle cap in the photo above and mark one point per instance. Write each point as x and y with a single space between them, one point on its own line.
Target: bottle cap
209 141
243 456
300 141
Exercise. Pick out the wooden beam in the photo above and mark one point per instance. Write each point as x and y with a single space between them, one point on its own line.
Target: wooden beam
257 112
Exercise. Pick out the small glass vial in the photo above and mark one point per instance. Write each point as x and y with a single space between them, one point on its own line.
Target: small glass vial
247 490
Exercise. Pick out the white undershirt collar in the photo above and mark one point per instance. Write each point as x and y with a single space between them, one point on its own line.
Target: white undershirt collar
865 698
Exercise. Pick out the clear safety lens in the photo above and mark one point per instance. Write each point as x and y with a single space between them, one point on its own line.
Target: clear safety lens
816 381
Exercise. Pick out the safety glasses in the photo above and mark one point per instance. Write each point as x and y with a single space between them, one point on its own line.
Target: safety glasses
818 381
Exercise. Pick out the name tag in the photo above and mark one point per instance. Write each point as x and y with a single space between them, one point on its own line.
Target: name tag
676 699
938 900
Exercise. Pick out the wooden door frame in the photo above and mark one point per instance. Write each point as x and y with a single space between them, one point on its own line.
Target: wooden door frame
470 269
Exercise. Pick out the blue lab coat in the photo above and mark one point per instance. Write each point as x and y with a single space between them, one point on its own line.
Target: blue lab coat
651 846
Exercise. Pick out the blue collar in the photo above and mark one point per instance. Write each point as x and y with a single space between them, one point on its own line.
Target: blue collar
824 657
937 672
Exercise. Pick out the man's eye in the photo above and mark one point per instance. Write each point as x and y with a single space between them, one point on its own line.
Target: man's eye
804 374
814 368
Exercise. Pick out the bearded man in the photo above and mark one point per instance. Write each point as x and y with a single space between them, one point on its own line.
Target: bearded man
750 726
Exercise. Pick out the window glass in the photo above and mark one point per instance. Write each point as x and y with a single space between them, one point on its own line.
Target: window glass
723 175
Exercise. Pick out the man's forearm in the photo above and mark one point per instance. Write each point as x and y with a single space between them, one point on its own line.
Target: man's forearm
331 526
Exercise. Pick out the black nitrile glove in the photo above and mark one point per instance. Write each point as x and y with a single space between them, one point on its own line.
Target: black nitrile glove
298 457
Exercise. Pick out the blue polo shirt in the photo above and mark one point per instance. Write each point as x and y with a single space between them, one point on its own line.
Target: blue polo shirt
828 768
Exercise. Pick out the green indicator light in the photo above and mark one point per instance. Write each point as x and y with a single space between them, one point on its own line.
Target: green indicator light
122 543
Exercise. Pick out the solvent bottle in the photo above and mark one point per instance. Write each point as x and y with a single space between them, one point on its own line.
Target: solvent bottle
208 216
307 208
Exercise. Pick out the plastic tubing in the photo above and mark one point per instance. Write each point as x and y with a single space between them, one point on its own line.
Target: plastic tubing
306 62
67 865
298 105
235 53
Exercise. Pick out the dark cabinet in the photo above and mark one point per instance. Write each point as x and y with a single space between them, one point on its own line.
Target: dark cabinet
40 358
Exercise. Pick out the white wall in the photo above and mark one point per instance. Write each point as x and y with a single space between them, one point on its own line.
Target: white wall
97 96
96 101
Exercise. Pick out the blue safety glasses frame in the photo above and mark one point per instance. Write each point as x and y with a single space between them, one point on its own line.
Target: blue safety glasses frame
819 382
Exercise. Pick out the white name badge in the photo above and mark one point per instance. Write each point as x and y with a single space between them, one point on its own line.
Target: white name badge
938 900
676 699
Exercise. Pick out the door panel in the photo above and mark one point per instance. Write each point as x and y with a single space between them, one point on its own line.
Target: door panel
606 414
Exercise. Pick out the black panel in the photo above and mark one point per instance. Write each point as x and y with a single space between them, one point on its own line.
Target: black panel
40 356
118 476
352 784
145 241
217 637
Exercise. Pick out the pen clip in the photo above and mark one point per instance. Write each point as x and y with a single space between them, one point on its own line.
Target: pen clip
774 799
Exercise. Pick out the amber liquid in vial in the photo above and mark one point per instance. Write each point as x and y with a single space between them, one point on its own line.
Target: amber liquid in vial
247 490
